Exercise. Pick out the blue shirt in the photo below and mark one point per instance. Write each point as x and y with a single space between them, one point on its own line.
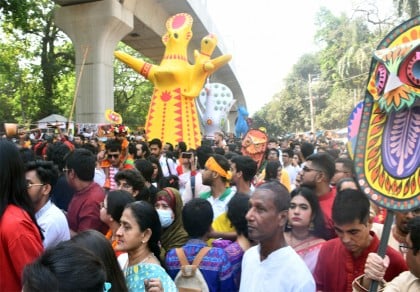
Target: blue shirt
215 266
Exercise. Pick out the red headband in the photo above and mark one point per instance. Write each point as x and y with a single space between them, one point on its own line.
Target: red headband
169 198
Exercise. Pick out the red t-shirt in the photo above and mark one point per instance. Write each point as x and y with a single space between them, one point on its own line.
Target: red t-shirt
20 244
336 268
83 211
326 202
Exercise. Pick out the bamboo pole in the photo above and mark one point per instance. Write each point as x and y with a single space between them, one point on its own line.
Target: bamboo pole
77 89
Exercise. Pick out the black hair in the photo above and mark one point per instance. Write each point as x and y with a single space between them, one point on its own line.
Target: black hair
147 217
182 146
13 188
133 177
350 205
113 145
157 142
246 165
223 163
66 267
57 152
197 216
289 152
46 171
238 206
144 148
319 229
97 243
170 146
26 154
171 181
146 168
155 160
348 164
307 149
83 162
267 152
324 162
414 230
203 153
230 155
271 170
116 202
90 147
281 196
339 184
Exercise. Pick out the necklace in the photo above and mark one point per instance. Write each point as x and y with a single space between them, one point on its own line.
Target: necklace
151 255
295 241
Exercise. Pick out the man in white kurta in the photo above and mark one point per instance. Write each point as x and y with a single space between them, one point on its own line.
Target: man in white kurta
282 270
272 265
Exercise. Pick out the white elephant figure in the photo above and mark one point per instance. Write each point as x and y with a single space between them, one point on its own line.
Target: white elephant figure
213 106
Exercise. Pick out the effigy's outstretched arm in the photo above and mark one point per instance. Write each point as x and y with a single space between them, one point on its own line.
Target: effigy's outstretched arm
146 69
214 64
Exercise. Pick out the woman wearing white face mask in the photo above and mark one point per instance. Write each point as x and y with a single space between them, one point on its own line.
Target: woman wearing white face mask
169 208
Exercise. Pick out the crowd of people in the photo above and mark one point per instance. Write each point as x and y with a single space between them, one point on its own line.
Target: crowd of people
128 214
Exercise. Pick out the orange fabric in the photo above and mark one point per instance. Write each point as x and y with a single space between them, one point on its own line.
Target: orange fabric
114 242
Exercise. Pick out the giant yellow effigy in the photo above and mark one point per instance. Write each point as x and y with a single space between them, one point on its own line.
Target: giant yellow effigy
172 115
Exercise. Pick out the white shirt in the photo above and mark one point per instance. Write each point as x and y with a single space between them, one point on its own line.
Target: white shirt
164 163
220 206
199 188
53 224
283 270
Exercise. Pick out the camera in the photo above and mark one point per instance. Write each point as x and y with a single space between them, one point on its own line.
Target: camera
186 155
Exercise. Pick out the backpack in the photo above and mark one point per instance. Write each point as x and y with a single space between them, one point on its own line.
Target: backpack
189 277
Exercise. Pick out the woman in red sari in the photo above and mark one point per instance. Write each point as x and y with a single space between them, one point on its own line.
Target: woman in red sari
305 231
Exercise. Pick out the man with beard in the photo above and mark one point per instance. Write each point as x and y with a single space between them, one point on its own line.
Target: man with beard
344 168
217 175
243 169
317 173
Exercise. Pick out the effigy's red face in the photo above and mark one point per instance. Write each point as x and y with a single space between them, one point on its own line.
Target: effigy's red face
254 145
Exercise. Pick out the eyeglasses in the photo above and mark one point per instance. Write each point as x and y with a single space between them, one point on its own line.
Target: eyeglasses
30 185
102 205
404 248
113 156
307 169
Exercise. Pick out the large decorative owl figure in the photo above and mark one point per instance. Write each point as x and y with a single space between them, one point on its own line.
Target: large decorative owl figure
387 153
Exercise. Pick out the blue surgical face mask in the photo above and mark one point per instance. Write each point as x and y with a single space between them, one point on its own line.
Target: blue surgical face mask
165 217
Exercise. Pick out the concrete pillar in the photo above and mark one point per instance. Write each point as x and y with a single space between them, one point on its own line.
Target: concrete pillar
95 27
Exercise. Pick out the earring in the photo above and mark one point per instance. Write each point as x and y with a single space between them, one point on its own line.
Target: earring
288 226
143 241
311 226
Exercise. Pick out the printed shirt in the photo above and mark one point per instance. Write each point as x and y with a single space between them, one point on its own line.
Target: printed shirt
215 265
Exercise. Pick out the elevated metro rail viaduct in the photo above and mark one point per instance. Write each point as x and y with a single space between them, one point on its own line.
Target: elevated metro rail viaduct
96 27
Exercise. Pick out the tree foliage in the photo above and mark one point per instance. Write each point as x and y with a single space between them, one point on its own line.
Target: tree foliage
37 70
334 77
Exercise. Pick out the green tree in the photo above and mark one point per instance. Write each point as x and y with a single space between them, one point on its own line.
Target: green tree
132 91
48 58
411 7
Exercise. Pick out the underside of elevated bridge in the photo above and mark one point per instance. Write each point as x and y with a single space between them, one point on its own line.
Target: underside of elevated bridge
148 26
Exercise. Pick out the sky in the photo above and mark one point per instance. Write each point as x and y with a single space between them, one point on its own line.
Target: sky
266 40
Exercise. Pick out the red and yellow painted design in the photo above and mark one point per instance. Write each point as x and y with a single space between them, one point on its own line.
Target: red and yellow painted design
387 153
172 115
